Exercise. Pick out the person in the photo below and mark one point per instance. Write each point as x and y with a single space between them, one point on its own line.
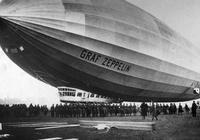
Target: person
171 109
52 110
180 109
187 109
194 109
174 108
31 110
154 112
144 109
134 110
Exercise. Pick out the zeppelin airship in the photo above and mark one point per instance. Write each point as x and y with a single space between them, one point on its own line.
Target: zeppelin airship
107 47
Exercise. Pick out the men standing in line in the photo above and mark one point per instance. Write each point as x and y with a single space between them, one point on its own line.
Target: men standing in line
144 109
180 109
154 111
194 109
187 109
134 110
52 110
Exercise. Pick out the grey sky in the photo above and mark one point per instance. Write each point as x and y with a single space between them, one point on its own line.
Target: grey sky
181 15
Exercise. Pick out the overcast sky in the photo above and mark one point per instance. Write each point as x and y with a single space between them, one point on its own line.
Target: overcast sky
182 16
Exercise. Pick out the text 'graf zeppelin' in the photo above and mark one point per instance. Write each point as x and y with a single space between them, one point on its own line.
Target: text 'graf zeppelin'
105 61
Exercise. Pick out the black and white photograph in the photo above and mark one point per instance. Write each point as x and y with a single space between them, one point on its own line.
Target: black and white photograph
99 69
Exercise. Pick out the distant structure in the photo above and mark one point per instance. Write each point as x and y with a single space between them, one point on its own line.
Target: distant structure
68 95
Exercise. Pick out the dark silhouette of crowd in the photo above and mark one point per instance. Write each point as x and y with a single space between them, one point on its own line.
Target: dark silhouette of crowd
92 110
194 108
166 109
95 110
21 110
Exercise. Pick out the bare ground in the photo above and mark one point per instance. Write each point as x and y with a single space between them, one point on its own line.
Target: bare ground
168 127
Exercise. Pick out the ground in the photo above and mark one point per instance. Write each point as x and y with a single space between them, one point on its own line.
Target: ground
168 127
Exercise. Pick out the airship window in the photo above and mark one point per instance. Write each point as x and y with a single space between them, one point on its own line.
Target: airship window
68 93
60 93
73 94
97 96
79 94
92 95
70 89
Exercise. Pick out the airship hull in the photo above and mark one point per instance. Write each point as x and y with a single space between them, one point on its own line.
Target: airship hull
97 47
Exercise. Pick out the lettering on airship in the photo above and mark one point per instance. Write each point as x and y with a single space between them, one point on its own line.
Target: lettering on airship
90 56
105 61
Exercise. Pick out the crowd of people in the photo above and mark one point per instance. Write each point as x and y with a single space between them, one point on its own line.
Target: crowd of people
95 110
92 110
155 110
21 110
107 110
